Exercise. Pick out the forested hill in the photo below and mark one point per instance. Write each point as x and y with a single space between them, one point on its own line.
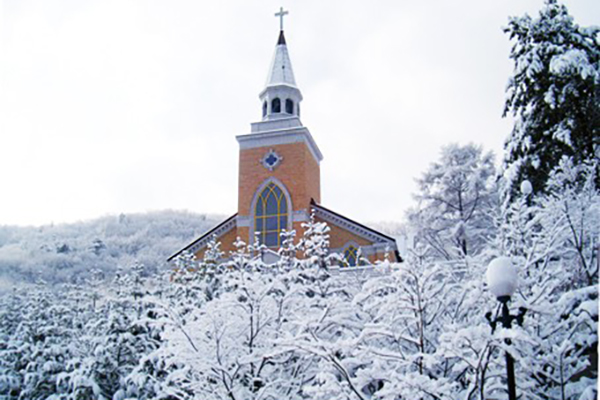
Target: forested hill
68 252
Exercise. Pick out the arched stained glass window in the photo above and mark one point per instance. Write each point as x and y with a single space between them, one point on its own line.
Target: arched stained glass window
271 215
351 256
276 105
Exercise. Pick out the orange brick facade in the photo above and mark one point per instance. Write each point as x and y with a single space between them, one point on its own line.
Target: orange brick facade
299 172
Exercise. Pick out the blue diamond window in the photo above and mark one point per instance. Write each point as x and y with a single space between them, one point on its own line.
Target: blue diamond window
271 160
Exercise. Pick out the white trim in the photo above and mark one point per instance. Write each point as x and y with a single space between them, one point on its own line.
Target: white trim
353 228
219 232
281 136
300 216
364 250
261 187
243 220
283 121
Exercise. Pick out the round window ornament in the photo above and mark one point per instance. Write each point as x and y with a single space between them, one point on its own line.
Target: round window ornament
271 160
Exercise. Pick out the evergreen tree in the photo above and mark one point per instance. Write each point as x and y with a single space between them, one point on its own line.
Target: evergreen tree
554 95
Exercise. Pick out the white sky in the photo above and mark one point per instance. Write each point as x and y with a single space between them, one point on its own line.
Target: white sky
133 105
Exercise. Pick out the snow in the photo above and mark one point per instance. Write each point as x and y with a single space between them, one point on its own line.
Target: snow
573 60
299 328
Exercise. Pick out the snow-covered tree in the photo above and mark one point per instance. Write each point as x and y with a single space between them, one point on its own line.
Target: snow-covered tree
573 203
288 251
407 311
455 196
554 95
228 347
315 243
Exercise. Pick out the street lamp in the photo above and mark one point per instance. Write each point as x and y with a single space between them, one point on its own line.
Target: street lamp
502 279
526 188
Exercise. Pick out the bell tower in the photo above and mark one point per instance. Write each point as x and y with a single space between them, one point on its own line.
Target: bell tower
279 164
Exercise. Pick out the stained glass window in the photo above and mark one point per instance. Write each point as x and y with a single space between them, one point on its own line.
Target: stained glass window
351 256
271 215
271 159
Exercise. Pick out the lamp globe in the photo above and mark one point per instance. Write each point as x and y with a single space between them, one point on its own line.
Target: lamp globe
526 188
502 277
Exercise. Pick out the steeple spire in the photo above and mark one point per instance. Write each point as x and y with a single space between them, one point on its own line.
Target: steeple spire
281 72
281 97
281 66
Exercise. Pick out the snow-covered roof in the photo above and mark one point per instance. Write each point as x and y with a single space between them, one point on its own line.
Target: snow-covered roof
281 72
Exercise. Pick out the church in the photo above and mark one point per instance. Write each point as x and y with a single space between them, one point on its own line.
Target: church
279 184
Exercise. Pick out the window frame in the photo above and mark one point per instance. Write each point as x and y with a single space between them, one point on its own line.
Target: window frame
281 218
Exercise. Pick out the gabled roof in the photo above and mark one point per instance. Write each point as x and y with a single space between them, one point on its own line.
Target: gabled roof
218 230
281 72
353 226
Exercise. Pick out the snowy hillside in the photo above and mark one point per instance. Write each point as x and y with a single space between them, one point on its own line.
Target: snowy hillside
68 252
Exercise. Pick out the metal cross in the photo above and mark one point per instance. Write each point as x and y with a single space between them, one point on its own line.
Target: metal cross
281 14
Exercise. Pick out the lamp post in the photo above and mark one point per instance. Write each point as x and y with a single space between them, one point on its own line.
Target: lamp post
502 279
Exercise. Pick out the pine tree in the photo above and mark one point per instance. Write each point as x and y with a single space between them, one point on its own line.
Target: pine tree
554 95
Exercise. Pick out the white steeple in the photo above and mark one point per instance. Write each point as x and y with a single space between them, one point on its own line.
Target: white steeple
281 97
281 72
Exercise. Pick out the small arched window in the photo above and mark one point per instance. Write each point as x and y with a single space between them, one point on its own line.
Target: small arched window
264 109
271 215
276 105
351 256
289 106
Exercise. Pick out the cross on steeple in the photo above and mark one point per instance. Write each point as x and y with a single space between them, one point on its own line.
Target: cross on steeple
281 14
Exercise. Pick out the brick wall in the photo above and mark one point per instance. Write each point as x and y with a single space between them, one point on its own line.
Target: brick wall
299 172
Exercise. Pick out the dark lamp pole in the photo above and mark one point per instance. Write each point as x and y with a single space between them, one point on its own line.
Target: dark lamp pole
502 280
510 364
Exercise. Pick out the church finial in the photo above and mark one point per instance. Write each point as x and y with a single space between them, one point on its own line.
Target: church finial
281 14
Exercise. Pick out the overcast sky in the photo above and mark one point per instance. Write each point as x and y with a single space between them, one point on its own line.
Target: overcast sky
131 106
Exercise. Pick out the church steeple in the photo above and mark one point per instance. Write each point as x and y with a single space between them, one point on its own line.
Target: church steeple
281 97
281 72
